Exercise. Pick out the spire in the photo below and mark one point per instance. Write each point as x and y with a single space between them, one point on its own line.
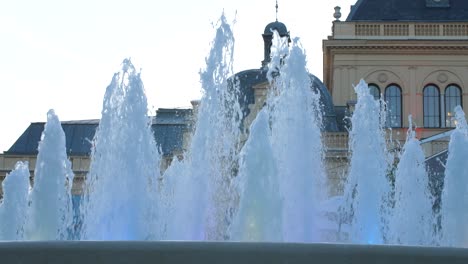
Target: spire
268 36
276 10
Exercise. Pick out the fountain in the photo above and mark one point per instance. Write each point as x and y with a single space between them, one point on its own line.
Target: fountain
50 211
296 139
259 215
412 222
13 210
125 160
202 183
270 188
367 189
454 198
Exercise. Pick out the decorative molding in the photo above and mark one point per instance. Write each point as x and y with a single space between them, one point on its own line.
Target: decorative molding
382 77
442 77
397 47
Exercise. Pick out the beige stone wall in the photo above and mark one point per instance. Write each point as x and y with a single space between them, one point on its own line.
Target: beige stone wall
80 167
411 72
411 55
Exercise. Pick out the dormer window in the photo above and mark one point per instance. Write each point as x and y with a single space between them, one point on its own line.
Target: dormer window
437 3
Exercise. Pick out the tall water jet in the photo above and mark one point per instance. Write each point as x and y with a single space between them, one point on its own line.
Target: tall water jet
260 208
296 139
454 195
367 187
50 213
120 198
14 206
412 222
203 190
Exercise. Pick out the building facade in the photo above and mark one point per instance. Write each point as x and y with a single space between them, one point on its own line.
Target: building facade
171 128
413 54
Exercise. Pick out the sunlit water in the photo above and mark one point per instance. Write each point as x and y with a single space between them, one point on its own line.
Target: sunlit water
297 145
454 195
50 211
259 217
120 195
367 189
412 222
273 187
201 184
14 206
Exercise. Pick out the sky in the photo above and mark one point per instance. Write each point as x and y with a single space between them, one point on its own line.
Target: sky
62 54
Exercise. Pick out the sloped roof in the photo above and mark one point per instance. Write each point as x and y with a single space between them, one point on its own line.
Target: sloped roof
408 10
168 127
78 138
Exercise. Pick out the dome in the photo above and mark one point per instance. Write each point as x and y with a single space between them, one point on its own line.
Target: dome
278 26
249 78
329 117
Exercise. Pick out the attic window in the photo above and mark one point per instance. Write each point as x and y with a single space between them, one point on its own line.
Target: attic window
437 3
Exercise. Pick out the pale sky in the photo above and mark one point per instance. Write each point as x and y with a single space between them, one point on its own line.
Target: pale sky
62 54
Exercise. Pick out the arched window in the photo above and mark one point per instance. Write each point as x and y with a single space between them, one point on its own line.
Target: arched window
453 97
374 91
431 107
393 101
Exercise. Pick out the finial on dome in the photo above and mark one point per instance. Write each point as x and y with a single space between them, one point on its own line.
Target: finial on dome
276 10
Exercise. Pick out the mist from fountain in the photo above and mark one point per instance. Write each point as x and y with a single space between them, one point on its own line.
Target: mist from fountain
14 206
454 195
121 186
201 184
367 189
412 222
50 210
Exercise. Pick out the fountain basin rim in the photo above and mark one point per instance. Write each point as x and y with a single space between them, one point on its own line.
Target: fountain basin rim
226 252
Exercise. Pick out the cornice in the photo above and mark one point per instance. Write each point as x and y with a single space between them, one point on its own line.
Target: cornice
403 47
394 48
396 44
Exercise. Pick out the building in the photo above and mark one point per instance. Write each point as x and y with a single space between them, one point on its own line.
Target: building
413 54
171 128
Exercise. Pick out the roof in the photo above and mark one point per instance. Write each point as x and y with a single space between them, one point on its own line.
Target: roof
343 118
168 126
249 78
78 138
246 80
409 10
278 26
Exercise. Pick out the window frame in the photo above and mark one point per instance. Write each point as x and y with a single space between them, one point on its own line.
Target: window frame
399 100
446 98
373 85
436 118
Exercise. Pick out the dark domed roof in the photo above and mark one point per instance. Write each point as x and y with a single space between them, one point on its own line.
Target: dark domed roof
249 78
278 26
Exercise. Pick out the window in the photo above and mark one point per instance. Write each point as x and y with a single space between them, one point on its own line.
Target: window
374 91
452 99
431 107
393 101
